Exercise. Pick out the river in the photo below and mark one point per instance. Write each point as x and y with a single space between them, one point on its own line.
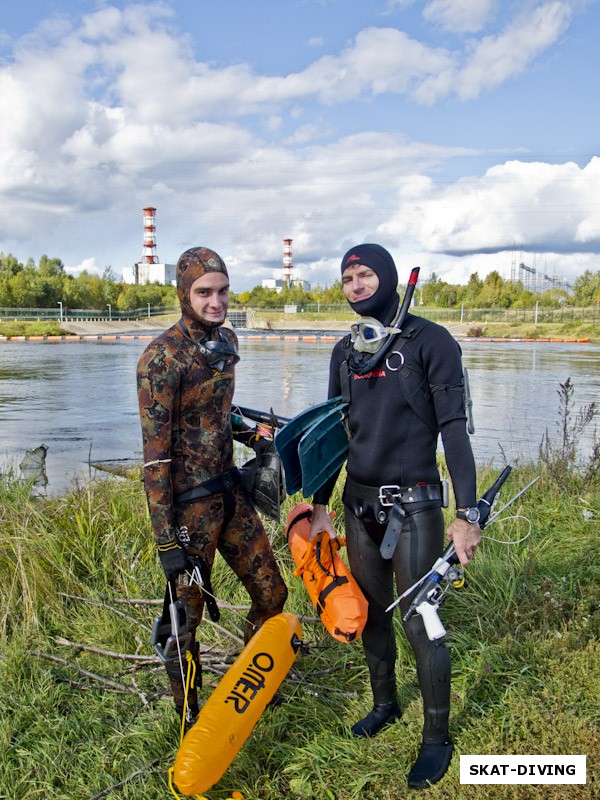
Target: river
79 398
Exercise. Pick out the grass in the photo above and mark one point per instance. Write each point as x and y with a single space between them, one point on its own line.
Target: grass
43 327
523 635
527 330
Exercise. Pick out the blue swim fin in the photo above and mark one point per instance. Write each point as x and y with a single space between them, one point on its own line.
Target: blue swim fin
323 449
287 440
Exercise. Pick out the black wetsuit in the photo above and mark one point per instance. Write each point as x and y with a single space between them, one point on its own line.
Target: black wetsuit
396 412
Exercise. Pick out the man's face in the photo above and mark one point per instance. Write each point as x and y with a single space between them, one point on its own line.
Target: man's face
209 298
359 283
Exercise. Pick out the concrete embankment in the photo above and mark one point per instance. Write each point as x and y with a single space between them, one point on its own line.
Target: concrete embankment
300 330
116 327
119 327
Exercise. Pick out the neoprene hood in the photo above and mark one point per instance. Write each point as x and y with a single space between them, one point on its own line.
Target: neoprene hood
383 304
191 265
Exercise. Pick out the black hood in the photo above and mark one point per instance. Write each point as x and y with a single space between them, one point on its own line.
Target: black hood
384 303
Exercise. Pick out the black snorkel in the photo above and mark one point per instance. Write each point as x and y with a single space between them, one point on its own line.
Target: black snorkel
359 363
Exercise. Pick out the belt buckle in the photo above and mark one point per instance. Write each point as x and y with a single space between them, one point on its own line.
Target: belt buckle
385 491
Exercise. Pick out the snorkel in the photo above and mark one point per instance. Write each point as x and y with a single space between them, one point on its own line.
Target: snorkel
359 363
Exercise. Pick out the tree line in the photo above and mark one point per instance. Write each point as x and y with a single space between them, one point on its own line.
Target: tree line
47 285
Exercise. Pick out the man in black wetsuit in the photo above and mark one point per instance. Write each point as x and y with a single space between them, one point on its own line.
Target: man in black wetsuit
401 397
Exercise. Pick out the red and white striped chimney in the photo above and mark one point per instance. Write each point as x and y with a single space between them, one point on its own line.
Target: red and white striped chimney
287 262
149 252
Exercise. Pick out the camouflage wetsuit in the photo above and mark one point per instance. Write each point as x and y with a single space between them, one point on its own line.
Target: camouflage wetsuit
185 409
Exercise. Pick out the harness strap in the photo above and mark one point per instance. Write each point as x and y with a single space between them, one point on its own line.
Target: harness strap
305 515
339 580
411 379
220 484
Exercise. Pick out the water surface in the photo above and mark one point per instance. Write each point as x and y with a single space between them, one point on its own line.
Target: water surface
79 398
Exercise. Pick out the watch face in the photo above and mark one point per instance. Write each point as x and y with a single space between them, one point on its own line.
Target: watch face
473 515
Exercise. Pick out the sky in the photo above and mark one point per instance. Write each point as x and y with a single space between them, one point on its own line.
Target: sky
462 135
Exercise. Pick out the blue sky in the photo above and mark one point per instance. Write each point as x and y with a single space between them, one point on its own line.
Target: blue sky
460 134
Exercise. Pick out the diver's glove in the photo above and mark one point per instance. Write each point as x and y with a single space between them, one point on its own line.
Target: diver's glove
173 559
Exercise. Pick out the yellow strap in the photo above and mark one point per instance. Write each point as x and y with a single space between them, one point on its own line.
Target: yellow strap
190 680
171 784
174 791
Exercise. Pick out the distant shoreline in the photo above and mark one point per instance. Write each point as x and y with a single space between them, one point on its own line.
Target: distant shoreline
293 328
98 328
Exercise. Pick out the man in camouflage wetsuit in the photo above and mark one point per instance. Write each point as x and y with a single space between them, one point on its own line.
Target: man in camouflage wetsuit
185 388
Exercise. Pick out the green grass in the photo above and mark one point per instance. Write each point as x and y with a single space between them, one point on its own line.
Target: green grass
523 635
41 327
527 330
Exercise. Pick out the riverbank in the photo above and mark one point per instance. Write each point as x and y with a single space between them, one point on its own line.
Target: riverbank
84 695
287 324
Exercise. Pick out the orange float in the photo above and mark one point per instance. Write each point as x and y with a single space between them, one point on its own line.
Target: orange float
233 709
335 594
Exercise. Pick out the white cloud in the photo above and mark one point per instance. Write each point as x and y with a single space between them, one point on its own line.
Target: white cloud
103 119
497 59
536 206
461 16
493 60
89 265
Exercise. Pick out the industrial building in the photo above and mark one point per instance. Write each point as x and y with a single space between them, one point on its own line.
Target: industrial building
150 269
287 281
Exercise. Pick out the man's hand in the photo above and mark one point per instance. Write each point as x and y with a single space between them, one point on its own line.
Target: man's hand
466 538
173 559
321 521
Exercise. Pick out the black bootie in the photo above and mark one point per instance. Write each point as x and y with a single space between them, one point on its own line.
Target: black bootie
382 714
431 765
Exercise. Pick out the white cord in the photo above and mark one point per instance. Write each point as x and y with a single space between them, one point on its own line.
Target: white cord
517 541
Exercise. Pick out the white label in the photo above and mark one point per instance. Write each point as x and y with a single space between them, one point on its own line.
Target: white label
523 769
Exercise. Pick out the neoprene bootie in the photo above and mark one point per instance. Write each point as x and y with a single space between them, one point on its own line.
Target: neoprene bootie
431 765
382 714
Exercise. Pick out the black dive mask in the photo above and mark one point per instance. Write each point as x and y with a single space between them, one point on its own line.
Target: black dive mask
219 354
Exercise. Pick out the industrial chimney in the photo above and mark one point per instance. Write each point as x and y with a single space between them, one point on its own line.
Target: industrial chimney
149 252
287 262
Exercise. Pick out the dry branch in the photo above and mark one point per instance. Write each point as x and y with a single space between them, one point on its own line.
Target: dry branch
131 777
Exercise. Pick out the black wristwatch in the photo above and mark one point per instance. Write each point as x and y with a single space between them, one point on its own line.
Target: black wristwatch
471 515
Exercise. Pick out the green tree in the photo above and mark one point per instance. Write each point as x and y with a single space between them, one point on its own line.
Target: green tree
50 267
333 294
496 292
470 293
586 289
434 291
24 289
9 265
86 291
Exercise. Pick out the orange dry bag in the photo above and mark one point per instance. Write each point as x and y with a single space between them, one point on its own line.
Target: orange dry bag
231 712
334 592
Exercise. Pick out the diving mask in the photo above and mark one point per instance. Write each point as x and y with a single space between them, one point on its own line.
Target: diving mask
219 354
369 334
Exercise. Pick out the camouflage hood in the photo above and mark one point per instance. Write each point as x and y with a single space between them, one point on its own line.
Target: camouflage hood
193 264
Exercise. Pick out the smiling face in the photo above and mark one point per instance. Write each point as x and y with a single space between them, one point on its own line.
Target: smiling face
359 282
209 298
